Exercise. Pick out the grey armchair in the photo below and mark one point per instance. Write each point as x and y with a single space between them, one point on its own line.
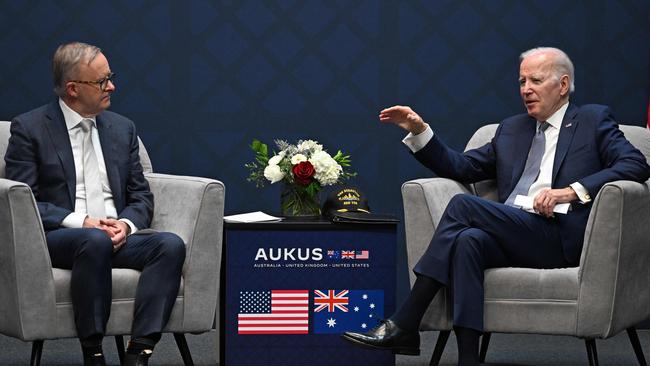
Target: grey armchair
606 294
36 303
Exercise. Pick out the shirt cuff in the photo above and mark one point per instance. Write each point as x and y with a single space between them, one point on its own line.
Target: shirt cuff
417 142
133 228
74 221
581 191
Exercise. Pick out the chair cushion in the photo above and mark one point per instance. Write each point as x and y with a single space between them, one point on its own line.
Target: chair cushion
125 282
526 300
531 284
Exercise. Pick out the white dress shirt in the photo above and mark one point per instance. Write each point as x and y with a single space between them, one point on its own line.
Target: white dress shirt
417 142
76 218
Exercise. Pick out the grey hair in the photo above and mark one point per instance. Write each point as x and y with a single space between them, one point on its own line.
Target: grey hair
66 60
562 64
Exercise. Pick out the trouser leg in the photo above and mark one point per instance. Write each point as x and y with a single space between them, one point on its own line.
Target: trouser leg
467 342
526 239
87 252
160 257
410 314
518 237
474 252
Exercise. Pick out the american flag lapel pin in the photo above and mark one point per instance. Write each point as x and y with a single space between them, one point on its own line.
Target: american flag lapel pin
568 124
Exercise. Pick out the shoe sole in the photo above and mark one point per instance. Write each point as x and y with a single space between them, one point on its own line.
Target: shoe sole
396 350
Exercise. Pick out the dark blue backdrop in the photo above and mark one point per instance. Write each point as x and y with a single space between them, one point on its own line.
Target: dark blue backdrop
202 78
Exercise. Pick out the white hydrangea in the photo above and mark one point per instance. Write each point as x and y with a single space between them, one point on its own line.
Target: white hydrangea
329 176
322 159
327 169
273 173
310 145
276 159
298 158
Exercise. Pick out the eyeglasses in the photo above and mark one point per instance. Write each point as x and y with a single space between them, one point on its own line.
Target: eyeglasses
102 83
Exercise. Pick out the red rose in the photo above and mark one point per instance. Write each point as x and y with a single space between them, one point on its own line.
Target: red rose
303 173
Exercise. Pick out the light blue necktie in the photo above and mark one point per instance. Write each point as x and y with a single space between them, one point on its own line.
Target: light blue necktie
533 163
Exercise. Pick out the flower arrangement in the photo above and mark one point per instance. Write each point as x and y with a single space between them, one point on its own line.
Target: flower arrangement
304 168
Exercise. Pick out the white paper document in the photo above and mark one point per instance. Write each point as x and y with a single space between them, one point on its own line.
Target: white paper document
257 216
526 202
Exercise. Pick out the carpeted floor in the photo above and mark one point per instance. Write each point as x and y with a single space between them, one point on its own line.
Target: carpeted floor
505 350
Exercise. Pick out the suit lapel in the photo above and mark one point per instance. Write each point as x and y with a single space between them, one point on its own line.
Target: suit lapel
104 128
58 131
567 131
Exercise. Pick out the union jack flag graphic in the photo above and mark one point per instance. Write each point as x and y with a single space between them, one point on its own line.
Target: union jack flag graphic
347 254
331 300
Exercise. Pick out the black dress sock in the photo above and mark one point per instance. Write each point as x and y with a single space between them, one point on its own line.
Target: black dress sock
412 310
92 345
467 340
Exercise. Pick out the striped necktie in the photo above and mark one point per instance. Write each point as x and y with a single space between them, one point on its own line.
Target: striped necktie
533 163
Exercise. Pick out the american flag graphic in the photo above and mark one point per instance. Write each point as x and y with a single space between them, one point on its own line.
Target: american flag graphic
362 254
273 312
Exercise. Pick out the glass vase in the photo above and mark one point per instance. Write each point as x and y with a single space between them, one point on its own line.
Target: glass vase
295 201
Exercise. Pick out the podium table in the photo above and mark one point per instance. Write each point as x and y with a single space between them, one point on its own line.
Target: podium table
292 287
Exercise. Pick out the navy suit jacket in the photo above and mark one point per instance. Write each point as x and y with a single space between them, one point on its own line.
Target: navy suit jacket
39 154
591 150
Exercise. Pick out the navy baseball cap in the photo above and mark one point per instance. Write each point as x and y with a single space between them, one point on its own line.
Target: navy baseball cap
349 204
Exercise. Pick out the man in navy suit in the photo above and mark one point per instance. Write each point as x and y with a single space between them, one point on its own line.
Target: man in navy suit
556 153
82 165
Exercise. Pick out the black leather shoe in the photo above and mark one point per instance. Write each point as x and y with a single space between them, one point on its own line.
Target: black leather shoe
387 335
140 359
96 359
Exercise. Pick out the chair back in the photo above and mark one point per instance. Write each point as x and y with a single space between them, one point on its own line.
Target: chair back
4 141
487 188
639 137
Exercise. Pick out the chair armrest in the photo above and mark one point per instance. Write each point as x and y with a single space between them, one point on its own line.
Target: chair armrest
28 302
192 208
425 200
614 266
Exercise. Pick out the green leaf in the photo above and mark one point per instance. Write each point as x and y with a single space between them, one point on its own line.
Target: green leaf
312 188
255 145
342 160
259 147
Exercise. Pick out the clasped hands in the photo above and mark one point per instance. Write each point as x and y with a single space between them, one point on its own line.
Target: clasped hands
115 229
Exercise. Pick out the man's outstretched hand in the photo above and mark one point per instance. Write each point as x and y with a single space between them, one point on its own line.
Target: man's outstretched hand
403 117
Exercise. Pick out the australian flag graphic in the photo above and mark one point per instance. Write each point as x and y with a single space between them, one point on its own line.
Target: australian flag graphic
352 310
